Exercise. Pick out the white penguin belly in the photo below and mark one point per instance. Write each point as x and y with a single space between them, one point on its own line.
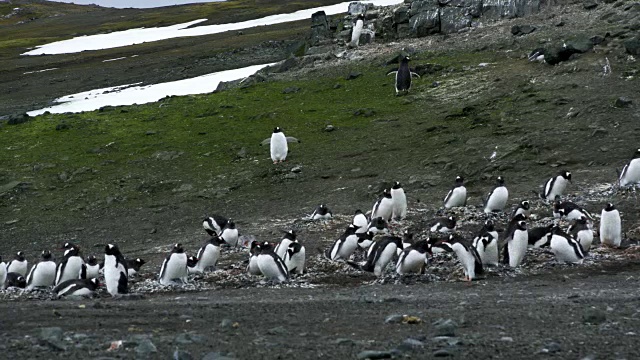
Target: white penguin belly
112 273
282 247
412 262
253 268
93 271
384 259
297 262
563 250
175 269
3 274
44 274
498 200
208 258
491 253
457 198
518 247
71 270
278 147
610 228
632 175
399 202
585 237
19 267
270 269
383 210
355 34
466 259
558 188
230 236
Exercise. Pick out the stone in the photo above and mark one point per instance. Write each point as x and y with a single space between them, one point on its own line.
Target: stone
446 328
442 353
425 23
278 330
329 128
62 126
373 354
422 6
632 46
296 169
594 316
412 343
453 19
394 319
590 4
353 75
145 348
319 28
580 44
15 119
291 90
401 15
556 55
519 30
356 8
50 333
622 102
218 356
226 323
182 355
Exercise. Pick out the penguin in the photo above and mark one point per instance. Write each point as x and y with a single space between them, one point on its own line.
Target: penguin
379 256
77 287
18 264
254 251
610 226
556 185
497 198
91 268
361 221
444 225
134 265
569 211
322 212
271 265
214 224
407 240
192 261
523 208
230 234
3 273
283 246
413 258
42 274
403 76
357 30
278 145
207 256
630 174
378 225
399 202
295 258
457 196
365 239
71 265
565 248
15 279
537 55
174 266
344 247
537 237
115 271
383 207
515 246
513 224
581 231
486 244
467 255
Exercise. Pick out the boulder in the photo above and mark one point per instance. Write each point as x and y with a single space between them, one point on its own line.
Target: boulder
319 28
356 8
423 6
453 19
401 15
632 46
580 44
425 23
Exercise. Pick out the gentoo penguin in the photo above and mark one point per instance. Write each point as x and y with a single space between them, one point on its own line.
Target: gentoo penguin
444 225
383 207
556 185
283 245
403 76
70 267
513 224
344 247
214 224
278 145
467 255
486 244
399 202
357 30
537 237
134 265
15 279
115 271
3 273
537 55
230 234
271 265
497 198
630 174
457 196
413 258
91 268
361 221
42 274
564 247
77 287
407 240
610 226
569 211
515 246
18 264
581 231
523 208
295 258
378 225
365 239
322 212
174 266
207 256
254 251
192 261
380 254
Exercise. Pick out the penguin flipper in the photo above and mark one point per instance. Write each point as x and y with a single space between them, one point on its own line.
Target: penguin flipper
415 75
266 141
292 139
392 72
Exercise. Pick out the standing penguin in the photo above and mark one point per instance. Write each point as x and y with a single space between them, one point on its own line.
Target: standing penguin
295 258
486 243
254 251
399 201
134 265
115 271
42 274
357 30
278 145
564 247
383 207
457 196
523 208
380 254
213 225
207 256
467 255
174 266
345 246
555 186
322 212
403 76
516 244
497 198
18 265
230 234
271 265
90 269
77 287
71 265
444 225
610 226
3 273
413 258
581 231
283 246
361 221
630 174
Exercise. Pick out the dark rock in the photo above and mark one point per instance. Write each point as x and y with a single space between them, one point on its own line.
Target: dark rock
62 126
291 90
387 28
559 23
356 8
218 356
394 319
622 102
557 54
50 333
597 39
287 65
353 75
16 119
496 9
446 328
319 28
590 4
632 46
580 44
365 38
425 23
401 15
182 355
372 354
364 112
519 30
226 323
421 6
594 316
188 338
145 348
427 69
278 330
453 19
442 353
412 343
